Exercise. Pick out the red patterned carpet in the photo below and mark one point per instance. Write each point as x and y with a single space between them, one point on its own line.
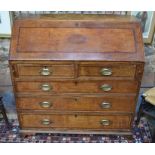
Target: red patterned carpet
141 134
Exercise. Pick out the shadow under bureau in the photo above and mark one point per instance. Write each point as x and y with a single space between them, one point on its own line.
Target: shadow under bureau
76 73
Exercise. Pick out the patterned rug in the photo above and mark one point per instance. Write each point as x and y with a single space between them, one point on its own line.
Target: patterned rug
141 134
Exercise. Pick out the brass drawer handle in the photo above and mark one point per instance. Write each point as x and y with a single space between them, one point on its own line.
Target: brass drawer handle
46 87
46 122
45 104
45 71
105 122
106 71
106 87
105 105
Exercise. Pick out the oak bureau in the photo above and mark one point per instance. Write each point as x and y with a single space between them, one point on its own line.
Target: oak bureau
76 73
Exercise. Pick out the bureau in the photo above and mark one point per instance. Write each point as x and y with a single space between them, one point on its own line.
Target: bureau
76 73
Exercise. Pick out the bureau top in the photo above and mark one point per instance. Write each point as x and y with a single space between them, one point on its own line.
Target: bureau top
77 37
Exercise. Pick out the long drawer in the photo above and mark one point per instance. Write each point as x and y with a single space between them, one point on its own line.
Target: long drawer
78 87
78 103
75 121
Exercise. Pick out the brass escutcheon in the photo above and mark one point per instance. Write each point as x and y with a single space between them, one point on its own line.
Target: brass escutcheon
45 104
106 71
105 105
45 71
105 122
106 87
46 87
46 122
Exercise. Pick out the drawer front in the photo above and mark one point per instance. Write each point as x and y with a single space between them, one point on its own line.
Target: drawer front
113 70
78 87
75 121
52 71
83 103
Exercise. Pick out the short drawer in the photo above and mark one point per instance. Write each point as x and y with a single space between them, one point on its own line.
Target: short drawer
75 121
107 70
78 103
52 71
106 86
